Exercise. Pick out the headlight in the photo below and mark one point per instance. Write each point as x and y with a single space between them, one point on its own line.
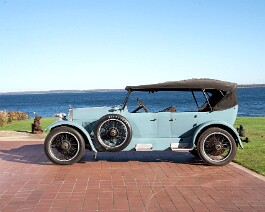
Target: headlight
60 116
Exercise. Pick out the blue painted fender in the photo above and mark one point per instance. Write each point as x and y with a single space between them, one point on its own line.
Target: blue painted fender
217 123
75 125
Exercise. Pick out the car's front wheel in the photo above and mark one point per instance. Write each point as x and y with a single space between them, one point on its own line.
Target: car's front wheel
64 145
216 146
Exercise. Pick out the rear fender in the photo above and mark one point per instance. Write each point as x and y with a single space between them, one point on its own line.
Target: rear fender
74 125
219 124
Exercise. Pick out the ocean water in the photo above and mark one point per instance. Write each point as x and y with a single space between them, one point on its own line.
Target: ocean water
251 101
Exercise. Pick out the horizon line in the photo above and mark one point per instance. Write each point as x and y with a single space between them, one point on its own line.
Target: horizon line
98 90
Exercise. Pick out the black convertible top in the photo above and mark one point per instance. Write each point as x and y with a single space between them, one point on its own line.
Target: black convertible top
223 94
186 85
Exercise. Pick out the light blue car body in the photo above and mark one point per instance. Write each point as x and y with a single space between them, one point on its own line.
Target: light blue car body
163 130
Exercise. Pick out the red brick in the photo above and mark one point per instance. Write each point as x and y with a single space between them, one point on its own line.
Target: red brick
136 181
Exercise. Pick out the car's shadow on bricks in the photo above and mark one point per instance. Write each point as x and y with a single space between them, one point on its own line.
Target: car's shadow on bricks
145 156
34 154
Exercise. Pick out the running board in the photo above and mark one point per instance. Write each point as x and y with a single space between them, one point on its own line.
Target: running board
173 147
143 147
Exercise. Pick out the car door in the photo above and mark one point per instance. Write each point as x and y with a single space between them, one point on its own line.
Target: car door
183 122
164 122
144 125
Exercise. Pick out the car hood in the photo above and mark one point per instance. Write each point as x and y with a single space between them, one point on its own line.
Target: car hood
93 113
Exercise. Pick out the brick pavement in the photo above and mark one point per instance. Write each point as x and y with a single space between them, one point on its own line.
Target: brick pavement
124 181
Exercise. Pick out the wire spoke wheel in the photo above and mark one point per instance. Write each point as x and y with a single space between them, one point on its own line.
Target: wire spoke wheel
64 146
216 146
113 133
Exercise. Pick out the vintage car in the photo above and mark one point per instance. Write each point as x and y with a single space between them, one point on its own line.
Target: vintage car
207 132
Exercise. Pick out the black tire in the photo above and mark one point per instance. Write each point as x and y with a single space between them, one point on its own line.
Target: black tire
194 152
64 146
113 133
216 146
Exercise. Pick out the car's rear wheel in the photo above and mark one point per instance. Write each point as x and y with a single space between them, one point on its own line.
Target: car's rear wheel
64 145
113 133
216 146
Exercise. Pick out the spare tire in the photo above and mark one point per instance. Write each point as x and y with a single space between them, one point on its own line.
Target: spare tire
113 133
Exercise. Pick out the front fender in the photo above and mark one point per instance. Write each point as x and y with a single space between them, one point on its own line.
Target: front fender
221 124
75 125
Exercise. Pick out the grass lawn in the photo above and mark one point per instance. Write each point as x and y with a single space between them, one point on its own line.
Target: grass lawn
252 156
25 125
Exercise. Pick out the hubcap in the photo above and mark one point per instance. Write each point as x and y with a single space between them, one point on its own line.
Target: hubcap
113 132
218 146
65 145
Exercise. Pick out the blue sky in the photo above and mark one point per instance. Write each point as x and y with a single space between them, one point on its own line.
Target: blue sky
92 44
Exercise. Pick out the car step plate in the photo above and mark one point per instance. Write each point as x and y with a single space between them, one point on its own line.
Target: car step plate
143 147
179 146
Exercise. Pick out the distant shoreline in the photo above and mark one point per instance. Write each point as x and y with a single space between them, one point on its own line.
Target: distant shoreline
59 91
100 90
252 86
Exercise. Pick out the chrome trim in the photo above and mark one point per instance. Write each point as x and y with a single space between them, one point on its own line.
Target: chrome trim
70 114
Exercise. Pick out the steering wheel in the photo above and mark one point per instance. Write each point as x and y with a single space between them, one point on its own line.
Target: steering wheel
141 105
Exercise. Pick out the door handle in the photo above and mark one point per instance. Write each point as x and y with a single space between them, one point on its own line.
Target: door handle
170 119
153 120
